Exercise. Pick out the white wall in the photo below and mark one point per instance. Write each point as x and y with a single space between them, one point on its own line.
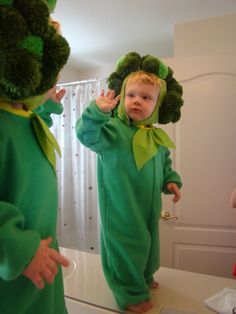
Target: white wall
96 73
69 74
209 37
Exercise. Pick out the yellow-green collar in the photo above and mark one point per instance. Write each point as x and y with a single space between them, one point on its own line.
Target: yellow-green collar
20 112
46 139
146 142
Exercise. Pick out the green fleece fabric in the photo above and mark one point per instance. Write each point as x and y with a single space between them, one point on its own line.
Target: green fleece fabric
48 108
28 213
129 201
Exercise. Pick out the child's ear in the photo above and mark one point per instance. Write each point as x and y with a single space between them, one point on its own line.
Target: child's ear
57 26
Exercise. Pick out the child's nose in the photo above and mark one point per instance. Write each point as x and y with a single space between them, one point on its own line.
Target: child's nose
137 100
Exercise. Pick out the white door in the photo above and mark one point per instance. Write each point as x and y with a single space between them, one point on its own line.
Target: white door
203 238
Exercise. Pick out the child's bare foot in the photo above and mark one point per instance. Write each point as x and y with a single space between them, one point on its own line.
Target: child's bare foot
141 307
154 285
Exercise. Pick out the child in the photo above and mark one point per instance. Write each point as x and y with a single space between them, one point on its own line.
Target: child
32 55
134 168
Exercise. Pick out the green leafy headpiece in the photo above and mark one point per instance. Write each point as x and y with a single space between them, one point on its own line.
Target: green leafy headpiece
32 53
170 107
51 4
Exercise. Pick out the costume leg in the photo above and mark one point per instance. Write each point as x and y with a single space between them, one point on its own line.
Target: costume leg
153 262
123 267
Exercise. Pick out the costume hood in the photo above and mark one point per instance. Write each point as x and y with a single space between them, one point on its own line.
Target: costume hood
32 52
171 103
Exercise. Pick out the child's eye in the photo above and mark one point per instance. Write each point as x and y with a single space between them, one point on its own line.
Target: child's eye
130 95
146 97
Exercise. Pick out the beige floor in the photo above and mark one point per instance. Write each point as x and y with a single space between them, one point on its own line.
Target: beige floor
179 290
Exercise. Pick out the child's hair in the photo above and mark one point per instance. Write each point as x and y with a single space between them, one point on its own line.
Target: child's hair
170 110
144 78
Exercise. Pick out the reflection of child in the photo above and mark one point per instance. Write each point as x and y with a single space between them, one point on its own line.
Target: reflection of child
134 168
32 54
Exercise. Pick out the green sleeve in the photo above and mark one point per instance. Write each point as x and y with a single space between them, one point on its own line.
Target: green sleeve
93 129
170 176
17 246
48 108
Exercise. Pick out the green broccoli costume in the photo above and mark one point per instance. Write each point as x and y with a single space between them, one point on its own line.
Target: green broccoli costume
129 184
32 54
46 109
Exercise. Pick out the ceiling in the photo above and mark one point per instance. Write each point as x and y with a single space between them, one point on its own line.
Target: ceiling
100 31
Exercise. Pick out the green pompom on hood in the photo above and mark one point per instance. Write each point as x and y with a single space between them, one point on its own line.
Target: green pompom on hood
32 53
51 4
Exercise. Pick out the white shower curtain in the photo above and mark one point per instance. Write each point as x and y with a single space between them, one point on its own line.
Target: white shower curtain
78 219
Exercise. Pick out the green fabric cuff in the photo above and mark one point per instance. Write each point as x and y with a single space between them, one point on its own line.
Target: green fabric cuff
17 246
48 108
175 180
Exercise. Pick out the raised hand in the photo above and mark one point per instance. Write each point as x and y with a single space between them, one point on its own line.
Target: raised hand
54 95
107 102
44 265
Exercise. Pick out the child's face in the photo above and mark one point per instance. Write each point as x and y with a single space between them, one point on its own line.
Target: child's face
140 100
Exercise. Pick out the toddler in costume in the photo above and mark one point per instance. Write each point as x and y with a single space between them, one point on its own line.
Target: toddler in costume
134 168
32 54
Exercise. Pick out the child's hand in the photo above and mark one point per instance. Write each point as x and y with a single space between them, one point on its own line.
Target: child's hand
107 102
44 265
54 95
172 187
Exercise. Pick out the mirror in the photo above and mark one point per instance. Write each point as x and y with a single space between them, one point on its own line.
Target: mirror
206 149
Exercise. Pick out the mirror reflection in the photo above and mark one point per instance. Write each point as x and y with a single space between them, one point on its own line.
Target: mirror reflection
201 240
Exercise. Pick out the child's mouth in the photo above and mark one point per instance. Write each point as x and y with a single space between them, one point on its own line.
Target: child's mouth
135 110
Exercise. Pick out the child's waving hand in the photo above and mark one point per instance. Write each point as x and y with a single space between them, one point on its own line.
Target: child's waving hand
107 102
